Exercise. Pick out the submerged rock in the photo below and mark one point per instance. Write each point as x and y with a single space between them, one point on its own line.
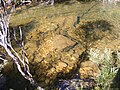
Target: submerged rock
77 84
58 42
3 82
89 69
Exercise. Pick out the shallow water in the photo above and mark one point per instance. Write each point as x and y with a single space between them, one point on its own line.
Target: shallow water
35 20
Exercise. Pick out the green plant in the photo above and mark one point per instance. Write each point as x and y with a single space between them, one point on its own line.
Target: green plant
108 69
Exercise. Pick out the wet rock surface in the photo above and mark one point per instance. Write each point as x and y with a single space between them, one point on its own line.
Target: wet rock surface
89 69
53 54
54 45
59 53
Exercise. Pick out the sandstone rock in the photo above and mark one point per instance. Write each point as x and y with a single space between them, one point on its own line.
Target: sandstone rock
65 21
60 66
48 27
58 42
88 69
61 42
51 71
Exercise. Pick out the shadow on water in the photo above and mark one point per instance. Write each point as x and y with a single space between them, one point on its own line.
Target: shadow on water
98 24
16 82
73 74
26 28
92 31
116 81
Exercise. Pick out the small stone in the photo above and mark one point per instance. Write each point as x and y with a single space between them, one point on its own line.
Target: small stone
73 58
49 55
51 71
60 66
76 55
69 67
71 52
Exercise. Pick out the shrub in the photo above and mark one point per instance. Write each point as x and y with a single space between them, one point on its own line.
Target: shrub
108 67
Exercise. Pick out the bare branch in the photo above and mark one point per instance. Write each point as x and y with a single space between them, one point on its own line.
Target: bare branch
5 42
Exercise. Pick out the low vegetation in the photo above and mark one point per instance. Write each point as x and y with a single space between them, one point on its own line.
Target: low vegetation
108 63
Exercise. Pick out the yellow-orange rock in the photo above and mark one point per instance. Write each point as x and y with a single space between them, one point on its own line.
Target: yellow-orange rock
89 69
